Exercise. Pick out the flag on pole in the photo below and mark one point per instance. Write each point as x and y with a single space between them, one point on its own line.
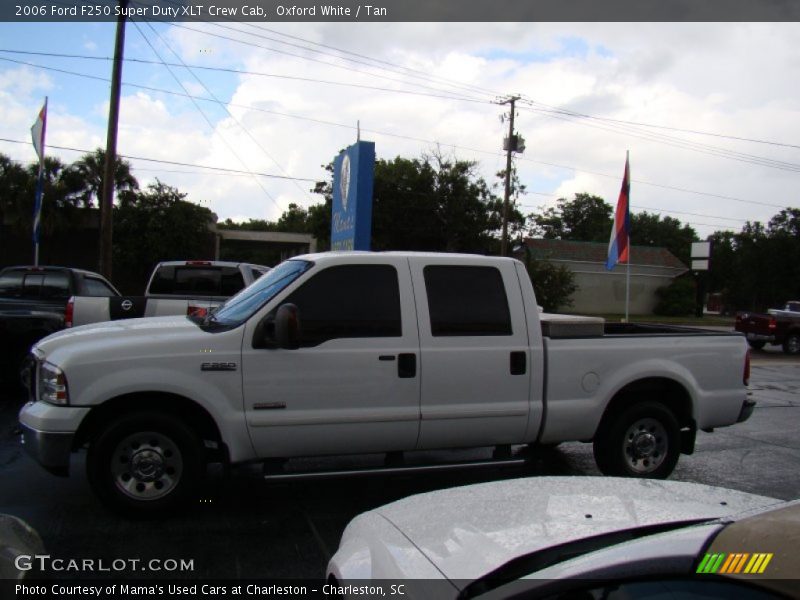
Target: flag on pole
618 245
37 135
38 131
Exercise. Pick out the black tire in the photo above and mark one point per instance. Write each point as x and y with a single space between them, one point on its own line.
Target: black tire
791 343
145 463
756 345
642 440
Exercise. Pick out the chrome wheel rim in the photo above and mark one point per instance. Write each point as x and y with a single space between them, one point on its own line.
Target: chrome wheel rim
146 466
645 445
793 344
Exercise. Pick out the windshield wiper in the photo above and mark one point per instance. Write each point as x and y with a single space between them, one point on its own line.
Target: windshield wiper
522 566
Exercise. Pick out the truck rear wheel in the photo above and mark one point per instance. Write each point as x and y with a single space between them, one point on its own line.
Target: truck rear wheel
642 440
791 343
145 463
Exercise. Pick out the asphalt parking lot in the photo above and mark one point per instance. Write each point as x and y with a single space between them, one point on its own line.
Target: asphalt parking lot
244 527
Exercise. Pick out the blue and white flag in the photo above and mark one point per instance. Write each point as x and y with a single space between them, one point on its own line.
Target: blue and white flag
37 134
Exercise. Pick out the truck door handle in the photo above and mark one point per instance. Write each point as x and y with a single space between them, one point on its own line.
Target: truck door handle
518 363
406 365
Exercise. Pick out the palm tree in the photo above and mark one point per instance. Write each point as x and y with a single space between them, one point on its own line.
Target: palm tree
87 172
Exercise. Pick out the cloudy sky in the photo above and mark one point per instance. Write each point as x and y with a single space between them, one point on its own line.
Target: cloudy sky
414 87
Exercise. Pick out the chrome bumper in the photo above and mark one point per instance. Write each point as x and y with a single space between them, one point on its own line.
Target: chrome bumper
50 449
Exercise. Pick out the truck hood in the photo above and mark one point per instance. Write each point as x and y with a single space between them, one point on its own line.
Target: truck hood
470 531
101 338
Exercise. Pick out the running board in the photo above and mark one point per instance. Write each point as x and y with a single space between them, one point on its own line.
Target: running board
372 471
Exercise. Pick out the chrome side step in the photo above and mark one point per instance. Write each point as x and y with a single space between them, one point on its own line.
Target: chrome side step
376 471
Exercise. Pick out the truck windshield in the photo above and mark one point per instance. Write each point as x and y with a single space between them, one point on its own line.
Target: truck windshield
240 307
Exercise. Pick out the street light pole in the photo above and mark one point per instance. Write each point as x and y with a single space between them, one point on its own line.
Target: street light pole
107 199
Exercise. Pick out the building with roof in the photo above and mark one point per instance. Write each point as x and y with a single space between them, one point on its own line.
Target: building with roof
603 291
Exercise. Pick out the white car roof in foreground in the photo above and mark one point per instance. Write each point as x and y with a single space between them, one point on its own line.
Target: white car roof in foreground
469 531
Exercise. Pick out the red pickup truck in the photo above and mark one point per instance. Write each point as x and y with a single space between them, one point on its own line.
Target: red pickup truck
776 327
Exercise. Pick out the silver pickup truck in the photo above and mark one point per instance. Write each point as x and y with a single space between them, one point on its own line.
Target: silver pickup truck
355 353
176 287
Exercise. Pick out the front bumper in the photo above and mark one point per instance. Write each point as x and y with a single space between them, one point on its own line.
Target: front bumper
50 449
48 432
747 410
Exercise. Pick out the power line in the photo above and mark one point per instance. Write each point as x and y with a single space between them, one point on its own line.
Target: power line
227 70
229 113
168 162
409 138
665 127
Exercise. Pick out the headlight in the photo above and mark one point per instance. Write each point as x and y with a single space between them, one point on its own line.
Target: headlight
52 385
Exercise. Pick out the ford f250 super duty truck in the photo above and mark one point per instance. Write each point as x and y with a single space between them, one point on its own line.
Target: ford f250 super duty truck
354 353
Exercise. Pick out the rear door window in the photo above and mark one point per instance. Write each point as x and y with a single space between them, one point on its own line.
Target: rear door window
466 301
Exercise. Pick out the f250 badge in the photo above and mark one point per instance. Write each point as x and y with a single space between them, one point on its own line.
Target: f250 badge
218 366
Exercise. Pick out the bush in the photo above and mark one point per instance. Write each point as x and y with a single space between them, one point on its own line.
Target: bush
677 298
553 284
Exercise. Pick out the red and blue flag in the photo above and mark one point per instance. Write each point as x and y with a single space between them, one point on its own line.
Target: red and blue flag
618 245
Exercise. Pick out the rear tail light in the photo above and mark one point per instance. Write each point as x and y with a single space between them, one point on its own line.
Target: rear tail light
773 323
196 311
746 374
69 312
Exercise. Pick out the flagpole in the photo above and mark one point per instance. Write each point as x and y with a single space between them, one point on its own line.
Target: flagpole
630 249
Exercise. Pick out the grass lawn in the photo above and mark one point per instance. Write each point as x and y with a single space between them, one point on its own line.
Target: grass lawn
711 320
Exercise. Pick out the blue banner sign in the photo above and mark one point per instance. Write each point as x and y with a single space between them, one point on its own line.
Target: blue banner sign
353 175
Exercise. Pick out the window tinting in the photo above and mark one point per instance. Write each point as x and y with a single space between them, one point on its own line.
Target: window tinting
163 281
11 284
197 281
466 301
32 285
95 287
231 281
350 301
55 285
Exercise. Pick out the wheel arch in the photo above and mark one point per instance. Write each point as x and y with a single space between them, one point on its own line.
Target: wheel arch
188 411
669 392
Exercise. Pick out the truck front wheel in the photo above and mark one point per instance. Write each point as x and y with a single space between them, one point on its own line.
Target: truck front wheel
642 440
145 463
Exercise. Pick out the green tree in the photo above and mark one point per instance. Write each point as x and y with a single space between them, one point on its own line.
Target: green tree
676 299
586 218
553 284
154 225
86 177
650 229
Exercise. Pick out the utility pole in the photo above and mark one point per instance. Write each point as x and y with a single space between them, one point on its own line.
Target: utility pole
511 146
107 199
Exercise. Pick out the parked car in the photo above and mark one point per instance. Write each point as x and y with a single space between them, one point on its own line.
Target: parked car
191 287
355 353
573 537
779 327
33 303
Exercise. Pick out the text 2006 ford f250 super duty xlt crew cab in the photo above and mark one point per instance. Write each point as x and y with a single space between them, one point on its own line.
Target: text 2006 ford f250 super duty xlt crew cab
351 353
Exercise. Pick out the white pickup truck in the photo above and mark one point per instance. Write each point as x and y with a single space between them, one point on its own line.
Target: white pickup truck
354 353
176 287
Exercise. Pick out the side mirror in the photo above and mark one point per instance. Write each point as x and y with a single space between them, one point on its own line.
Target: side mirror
287 327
